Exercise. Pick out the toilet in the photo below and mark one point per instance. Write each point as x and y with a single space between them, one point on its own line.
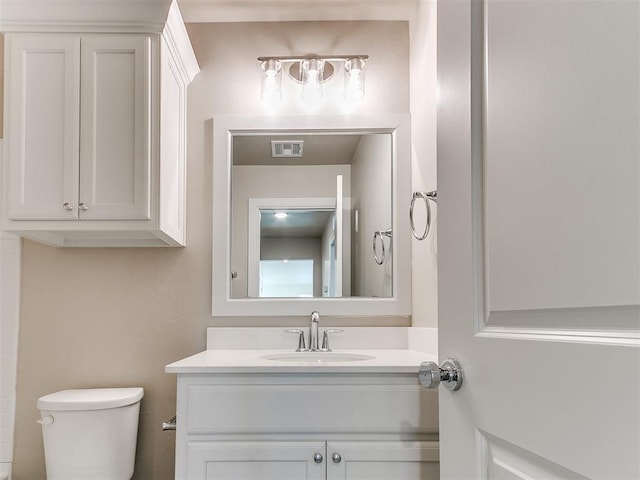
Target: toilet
90 433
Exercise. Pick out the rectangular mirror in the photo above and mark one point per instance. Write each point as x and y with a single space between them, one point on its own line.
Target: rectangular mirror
306 215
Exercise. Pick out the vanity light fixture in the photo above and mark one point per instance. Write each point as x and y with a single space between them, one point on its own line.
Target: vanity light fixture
312 72
271 80
354 78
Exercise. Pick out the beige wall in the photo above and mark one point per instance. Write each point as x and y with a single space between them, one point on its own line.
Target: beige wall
371 173
115 317
1 86
424 275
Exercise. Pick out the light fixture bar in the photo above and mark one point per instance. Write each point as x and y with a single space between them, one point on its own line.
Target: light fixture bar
326 58
311 71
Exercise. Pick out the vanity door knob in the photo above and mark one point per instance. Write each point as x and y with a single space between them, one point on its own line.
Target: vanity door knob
336 458
318 458
83 207
67 206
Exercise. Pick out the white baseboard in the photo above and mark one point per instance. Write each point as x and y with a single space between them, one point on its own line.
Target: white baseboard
5 471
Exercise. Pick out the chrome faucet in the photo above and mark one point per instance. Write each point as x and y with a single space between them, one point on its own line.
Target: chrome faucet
313 336
313 332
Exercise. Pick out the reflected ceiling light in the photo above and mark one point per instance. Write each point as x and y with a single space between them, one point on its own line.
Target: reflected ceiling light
280 215
312 72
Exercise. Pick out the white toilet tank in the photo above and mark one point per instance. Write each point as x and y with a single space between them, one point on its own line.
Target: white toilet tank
90 433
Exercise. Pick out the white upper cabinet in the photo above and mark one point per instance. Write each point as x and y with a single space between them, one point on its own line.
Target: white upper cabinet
96 133
79 127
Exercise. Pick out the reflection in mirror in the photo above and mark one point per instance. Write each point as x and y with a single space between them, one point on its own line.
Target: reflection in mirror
305 211
301 243
360 173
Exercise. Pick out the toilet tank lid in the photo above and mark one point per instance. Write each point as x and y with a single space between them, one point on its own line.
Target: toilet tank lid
90 399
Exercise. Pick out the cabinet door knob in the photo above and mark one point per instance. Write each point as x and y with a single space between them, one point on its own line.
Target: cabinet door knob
83 207
336 458
318 458
67 206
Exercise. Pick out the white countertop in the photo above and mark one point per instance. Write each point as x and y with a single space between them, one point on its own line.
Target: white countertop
252 361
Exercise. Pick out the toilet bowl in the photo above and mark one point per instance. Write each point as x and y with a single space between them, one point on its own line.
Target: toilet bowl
90 434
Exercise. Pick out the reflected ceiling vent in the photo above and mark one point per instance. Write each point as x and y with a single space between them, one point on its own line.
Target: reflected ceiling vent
286 148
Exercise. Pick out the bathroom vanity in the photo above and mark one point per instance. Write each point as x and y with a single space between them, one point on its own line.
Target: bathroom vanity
271 413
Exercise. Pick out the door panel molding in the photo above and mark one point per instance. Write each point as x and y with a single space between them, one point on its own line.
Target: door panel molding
502 459
607 283
558 335
577 324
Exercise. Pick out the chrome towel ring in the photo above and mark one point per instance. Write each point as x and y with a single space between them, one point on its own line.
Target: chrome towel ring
426 196
379 234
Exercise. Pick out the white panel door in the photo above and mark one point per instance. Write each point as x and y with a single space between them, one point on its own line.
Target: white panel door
382 461
115 149
255 460
43 86
539 237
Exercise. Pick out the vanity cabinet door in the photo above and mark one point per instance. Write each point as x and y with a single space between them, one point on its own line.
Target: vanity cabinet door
262 460
383 460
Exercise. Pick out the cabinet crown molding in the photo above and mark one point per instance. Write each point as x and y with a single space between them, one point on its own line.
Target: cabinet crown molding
101 16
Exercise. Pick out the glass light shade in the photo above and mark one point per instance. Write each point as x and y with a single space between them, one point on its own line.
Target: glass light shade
354 78
271 80
312 72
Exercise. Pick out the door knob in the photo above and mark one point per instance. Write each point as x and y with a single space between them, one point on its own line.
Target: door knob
318 458
336 458
450 374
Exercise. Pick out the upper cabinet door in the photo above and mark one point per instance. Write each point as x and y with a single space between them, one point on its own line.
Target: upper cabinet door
115 147
42 125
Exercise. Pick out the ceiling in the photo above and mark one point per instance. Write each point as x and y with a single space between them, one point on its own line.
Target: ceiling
298 223
205 11
317 149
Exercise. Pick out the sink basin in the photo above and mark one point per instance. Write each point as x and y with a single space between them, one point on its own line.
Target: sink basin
318 357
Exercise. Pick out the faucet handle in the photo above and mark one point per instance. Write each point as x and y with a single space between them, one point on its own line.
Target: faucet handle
301 345
325 338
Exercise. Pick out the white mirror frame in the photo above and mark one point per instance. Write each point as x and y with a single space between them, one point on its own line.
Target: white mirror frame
224 129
